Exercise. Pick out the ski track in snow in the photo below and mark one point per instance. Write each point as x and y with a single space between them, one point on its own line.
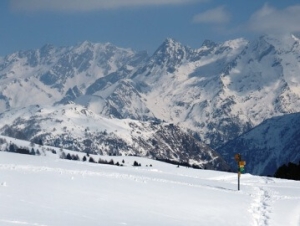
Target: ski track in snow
261 206
263 199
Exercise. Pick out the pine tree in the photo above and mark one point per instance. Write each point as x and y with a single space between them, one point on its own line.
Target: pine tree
32 152
12 147
91 159
111 162
69 157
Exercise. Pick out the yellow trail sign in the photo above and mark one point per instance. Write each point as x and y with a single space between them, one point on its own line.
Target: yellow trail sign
242 162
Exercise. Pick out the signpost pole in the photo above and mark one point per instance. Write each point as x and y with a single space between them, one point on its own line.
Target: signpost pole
241 165
239 176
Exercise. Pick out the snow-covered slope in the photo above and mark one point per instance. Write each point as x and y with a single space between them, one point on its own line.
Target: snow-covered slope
268 146
48 191
79 129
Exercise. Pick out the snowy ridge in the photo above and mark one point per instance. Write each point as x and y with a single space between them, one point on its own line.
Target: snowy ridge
77 128
52 71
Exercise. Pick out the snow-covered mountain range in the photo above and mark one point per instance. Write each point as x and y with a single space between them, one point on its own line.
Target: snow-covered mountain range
216 92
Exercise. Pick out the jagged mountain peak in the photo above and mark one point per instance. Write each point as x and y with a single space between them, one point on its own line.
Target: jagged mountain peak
170 54
83 46
169 46
282 43
47 47
209 44
170 42
99 48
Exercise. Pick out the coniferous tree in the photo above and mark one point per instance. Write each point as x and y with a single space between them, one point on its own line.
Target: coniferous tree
91 159
12 147
32 152
75 157
69 157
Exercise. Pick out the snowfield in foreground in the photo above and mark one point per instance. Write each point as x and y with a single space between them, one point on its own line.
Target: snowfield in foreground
46 190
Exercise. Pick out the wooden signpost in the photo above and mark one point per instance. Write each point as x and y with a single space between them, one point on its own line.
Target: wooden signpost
241 166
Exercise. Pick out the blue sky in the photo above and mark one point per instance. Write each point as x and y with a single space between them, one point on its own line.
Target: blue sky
140 24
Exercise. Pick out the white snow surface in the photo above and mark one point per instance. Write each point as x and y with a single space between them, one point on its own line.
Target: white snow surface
49 191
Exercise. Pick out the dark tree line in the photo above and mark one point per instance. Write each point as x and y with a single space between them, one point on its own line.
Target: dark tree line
186 164
290 171
22 150
88 158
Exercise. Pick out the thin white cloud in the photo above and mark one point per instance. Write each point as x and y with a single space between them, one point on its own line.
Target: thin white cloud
271 20
89 5
217 15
